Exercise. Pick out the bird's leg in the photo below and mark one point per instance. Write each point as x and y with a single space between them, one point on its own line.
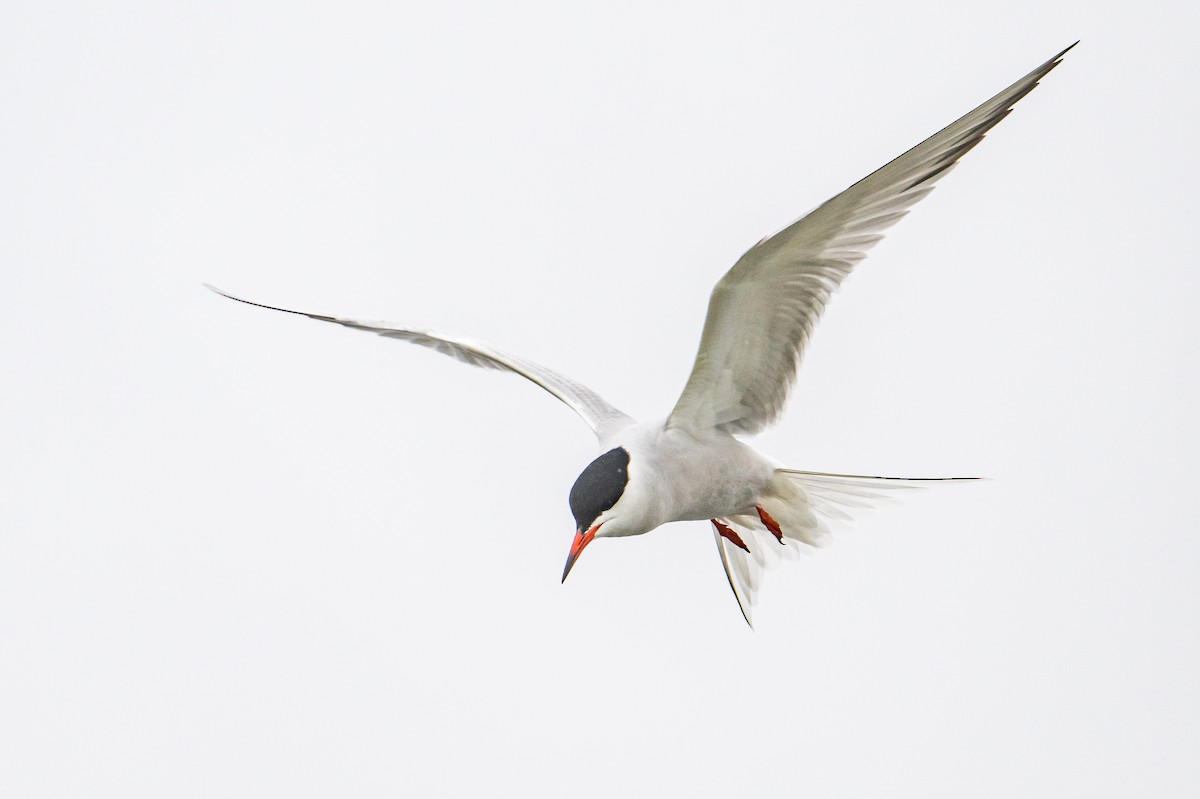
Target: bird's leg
769 523
730 534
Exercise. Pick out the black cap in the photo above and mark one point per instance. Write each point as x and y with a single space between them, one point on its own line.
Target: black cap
599 487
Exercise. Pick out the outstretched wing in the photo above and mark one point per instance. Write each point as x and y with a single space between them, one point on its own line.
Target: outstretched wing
763 310
599 415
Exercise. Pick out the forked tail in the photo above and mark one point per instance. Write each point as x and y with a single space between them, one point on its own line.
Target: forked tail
797 511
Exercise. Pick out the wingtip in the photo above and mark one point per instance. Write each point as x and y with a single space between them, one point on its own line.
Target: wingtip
1050 64
229 296
1053 62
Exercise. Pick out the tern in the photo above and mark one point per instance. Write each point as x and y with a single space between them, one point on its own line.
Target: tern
692 465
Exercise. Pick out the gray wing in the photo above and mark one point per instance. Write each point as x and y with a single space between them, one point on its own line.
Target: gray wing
763 310
599 415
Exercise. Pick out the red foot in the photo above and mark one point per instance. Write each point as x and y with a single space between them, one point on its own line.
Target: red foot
730 534
770 523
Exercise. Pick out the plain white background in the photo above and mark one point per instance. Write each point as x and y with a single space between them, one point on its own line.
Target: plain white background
246 554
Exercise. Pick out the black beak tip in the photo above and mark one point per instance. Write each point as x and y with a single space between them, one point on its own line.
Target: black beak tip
582 539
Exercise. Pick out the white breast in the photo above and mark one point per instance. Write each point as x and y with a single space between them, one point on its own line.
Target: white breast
676 476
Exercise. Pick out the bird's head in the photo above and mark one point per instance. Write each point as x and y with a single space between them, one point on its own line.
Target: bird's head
594 501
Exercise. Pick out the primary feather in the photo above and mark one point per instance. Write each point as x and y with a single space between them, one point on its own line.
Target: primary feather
591 407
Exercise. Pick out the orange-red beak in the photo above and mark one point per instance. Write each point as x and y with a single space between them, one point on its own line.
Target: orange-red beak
582 539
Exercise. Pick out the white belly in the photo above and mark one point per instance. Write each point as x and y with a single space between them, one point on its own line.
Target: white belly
676 477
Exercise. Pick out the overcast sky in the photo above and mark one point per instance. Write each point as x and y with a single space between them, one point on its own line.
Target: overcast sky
246 554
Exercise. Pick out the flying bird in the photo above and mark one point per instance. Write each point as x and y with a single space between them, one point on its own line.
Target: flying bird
692 465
